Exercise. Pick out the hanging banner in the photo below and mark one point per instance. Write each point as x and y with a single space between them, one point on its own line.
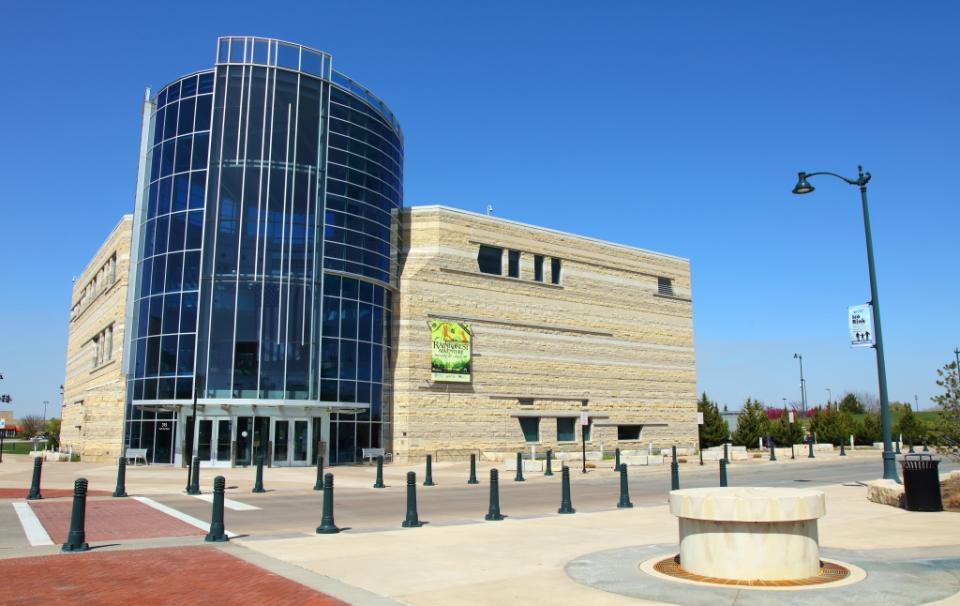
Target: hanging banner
861 326
450 352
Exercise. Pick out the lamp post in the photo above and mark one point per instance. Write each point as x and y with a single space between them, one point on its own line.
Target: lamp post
803 384
45 402
803 187
956 352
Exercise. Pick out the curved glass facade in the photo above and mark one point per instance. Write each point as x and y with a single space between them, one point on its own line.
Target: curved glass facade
265 264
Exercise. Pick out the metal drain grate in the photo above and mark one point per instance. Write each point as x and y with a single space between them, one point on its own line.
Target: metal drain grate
829 573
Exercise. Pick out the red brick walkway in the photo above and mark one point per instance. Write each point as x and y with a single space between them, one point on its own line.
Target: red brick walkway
110 520
147 577
48 493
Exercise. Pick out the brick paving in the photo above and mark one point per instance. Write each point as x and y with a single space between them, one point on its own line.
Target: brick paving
111 520
148 577
48 493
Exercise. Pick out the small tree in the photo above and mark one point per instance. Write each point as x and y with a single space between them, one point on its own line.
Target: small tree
752 424
785 432
32 425
833 426
947 428
869 430
53 432
851 404
910 426
714 430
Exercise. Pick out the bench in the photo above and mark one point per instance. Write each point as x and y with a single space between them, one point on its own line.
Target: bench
134 454
373 453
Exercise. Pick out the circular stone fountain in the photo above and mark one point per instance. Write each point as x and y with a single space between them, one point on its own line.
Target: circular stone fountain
766 534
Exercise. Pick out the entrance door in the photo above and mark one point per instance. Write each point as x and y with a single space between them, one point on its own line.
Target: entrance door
291 442
214 436
253 434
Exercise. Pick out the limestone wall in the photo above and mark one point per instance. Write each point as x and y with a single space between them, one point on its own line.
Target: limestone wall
94 384
604 337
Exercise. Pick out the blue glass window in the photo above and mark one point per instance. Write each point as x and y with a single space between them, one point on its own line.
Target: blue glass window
329 359
171 313
331 317
160 240
181 189
198 189
163 196
204 104
185 117
183 153
205 84
188 312
189 86
174 272
194 230
170 121
191 270
348 359
178 225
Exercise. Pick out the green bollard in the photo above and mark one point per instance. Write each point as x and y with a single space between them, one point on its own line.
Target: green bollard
725 457
810 448
35 483
121 489
473 470
326 520
318 485
910 442
616 460
624 490
428 481
379 483
565 505
674 470
773 451
217 532
723 473
700 448
843 452
549 471
898 447
258 484
925 449
194 487
519 476
793 452
412 520
493 512
76 539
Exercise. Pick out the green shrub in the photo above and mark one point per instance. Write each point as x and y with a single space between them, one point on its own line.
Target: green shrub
752 424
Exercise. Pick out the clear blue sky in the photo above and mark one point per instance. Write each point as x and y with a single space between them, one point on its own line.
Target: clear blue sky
677 127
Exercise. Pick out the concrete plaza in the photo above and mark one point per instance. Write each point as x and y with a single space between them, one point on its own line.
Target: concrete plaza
535 555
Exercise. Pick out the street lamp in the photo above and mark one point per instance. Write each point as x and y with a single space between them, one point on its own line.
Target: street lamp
45 402
803 384
804 187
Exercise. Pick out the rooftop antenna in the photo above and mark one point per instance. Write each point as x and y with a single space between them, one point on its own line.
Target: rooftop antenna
489 209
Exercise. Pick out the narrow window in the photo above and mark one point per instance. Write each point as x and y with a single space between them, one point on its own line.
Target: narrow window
490 260
555 270
513 264
567 429
526 401
665 286
538 268
531 428
628 432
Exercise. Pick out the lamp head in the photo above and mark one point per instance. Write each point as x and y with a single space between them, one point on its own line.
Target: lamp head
796 356
803 186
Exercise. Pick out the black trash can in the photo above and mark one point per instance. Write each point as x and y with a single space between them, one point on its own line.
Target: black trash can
921 482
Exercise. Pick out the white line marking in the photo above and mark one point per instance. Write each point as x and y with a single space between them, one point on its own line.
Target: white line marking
228 503
170 511
36 533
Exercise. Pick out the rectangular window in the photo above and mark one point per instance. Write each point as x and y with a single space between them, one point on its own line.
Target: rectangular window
665 286
513 264
567 429
538 268
555 270
526 401
628 432
490 260
531 428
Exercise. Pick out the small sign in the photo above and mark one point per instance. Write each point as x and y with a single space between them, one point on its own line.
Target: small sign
699 418
584 420
790 416
861 326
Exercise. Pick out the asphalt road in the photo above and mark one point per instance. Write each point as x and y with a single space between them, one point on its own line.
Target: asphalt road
287 511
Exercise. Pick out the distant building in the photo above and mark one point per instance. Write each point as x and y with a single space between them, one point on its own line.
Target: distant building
94 385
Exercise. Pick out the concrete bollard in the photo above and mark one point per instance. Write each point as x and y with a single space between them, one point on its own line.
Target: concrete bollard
76 538
318 485
194 487
326 520
519 476
121 489
412 520
258 484
773 451
674 470
810 449
624 490
473 470
616 460
34 493
379 482
566 506
493 512
549 471
725 457
843 452
218 533
428 481
723 473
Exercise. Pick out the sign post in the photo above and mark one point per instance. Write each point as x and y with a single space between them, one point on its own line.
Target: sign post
584 423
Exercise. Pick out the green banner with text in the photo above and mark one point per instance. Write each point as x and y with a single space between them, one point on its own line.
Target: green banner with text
450 352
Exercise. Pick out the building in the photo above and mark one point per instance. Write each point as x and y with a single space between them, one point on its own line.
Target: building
551 326
284 304
94 386
269 187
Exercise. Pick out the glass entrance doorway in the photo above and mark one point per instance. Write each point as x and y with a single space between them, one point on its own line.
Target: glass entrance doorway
214 441
253 439
291 442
